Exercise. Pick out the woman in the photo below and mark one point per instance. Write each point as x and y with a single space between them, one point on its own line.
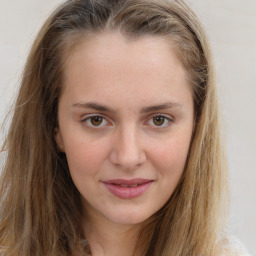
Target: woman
114 146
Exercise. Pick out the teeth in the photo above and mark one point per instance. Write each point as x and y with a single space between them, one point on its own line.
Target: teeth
123 185
126 185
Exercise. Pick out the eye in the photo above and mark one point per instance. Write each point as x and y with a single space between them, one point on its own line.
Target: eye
95 121
160 121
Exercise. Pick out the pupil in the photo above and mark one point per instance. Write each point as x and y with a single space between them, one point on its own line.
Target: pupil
158 120
96 120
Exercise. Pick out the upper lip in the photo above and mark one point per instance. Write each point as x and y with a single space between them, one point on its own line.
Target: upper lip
127 182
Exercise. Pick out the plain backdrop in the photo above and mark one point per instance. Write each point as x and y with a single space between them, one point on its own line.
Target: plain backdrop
231 26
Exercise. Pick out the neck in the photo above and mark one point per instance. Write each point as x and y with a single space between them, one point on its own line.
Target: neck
110 239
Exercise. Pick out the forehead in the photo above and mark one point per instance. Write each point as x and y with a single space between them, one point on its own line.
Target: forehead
108 61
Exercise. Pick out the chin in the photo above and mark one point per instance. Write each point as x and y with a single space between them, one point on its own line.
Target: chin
129 217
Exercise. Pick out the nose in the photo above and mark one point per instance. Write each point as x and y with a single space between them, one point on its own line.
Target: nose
127 150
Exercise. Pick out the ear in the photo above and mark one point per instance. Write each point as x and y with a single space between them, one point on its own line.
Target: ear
59 140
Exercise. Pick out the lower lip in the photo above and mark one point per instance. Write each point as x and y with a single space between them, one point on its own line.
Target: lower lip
128 192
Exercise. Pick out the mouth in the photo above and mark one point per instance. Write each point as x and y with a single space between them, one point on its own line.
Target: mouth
127 189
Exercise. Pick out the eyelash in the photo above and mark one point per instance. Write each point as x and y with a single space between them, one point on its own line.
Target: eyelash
88 119
167 121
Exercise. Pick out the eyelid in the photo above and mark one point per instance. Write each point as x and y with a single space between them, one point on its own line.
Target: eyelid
88 116
169 118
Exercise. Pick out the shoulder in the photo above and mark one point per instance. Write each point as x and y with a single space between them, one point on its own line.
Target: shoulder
231 246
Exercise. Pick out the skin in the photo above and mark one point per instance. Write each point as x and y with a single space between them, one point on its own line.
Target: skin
129 78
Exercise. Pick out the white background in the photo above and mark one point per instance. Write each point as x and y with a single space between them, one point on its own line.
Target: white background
231 25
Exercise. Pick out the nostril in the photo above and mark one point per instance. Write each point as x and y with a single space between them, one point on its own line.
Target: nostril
127 150
128 159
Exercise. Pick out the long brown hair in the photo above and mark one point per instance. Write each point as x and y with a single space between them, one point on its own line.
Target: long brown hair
40 209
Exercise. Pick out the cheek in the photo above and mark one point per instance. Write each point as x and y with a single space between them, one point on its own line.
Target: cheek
169 161
85 158
170 157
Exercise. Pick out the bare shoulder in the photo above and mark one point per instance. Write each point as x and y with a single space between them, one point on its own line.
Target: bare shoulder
233 247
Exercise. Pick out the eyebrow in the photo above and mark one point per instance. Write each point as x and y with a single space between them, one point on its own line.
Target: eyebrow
161 106
103 108
93 105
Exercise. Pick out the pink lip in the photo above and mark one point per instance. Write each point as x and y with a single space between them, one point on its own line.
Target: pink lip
127 189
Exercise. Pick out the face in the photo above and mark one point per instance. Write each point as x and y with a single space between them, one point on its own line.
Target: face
125 124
